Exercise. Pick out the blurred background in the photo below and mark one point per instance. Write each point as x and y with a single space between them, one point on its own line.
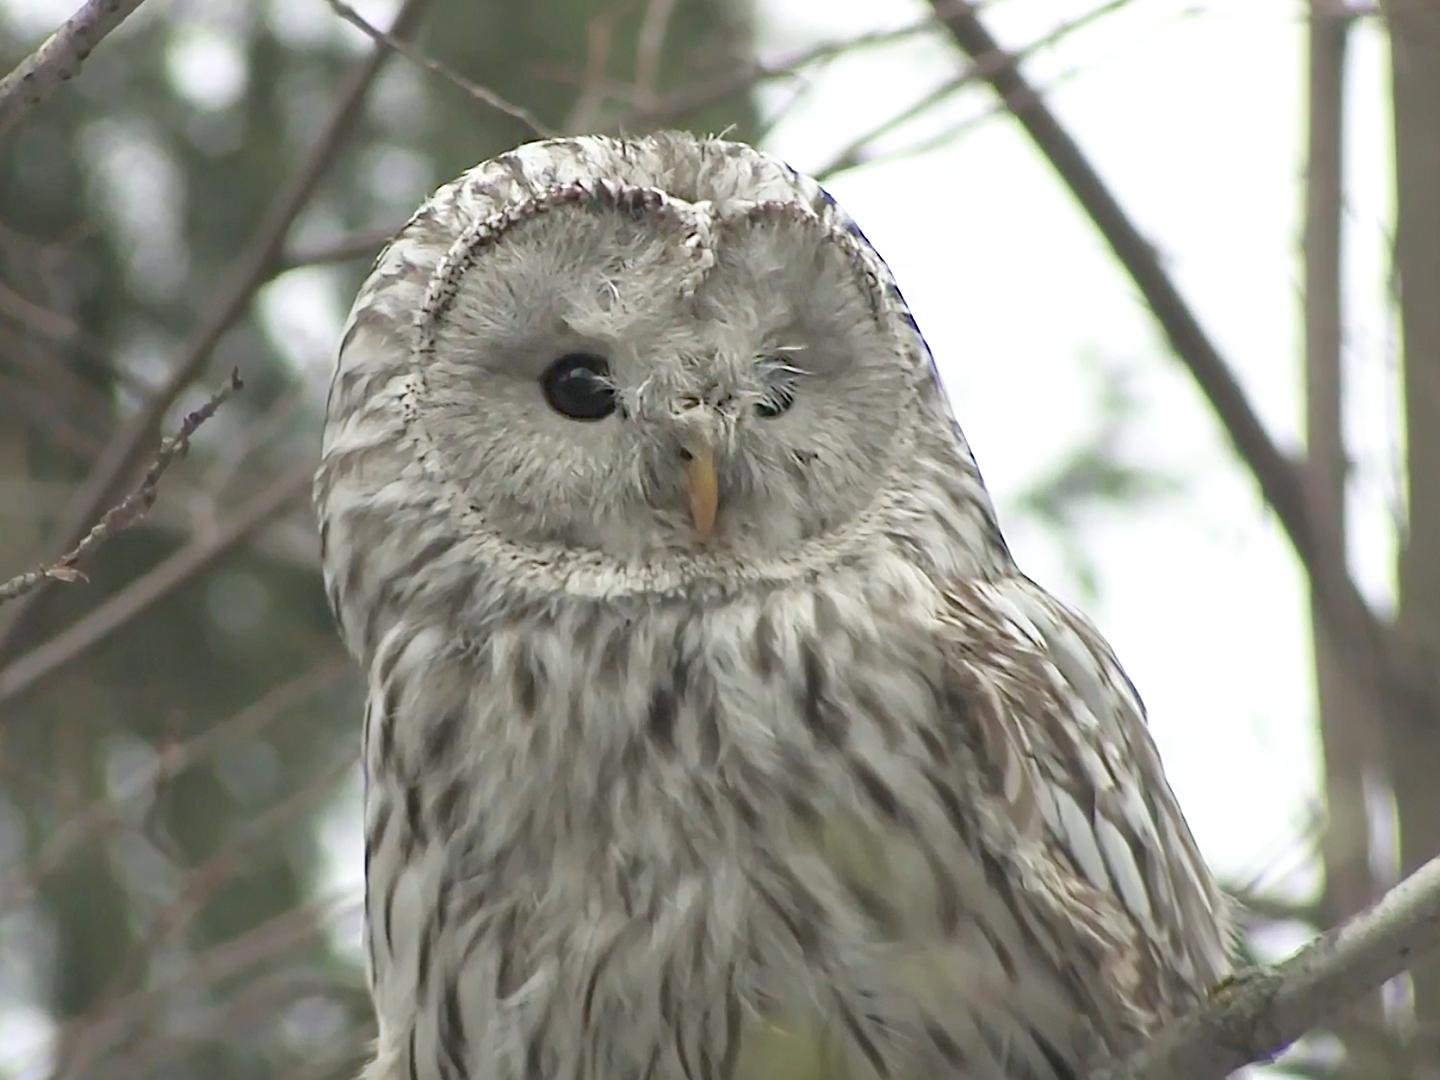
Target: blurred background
180 856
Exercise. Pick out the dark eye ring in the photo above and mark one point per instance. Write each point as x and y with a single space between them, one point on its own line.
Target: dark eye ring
578 385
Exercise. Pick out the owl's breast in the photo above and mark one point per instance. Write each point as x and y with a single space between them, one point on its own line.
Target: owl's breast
616 824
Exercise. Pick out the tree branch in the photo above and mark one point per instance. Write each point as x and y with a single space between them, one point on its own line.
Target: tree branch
1348 743
129 510
254 267
1263 1011
484 95
1389 673
105 815
59 57
737 79
44 660
981 68
341 249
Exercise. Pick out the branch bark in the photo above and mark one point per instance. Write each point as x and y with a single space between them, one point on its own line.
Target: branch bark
1263 1011
254 267
1349 748
1392 676
59 57
1414 739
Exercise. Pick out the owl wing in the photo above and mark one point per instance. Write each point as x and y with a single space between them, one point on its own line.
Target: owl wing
1103 870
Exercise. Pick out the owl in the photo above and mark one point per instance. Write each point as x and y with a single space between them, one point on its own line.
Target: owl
711 731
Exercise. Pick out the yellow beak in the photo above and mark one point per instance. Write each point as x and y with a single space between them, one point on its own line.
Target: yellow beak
704 491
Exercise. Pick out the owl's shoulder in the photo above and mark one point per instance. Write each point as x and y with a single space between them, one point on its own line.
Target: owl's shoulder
1061 746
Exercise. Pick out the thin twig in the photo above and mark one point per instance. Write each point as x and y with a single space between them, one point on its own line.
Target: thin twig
59 57
128 510
75 640
103 816
200 884
253 267
983 67
482 94
642 116
1389 672
277 936
1265 1010
253 1009
342 248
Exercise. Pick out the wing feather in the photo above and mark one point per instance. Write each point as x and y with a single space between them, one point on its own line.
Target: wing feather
1091 829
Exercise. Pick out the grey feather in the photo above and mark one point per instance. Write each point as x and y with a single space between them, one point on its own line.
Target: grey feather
830 783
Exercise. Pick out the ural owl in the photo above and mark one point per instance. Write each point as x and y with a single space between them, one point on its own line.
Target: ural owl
711 730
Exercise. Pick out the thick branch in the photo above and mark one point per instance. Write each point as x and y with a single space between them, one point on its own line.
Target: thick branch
1414 741
1347 739
59 58
1264 1011
1366 643
253 268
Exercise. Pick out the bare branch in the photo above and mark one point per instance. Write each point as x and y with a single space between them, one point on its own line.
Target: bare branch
129 510
341 249
253 267
1350 748
1389 673
739 80
1263 1011
104 816
984 67
59 57
482 94
44 660
649 46
95 1032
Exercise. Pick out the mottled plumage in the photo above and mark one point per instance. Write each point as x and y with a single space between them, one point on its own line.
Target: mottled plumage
711 730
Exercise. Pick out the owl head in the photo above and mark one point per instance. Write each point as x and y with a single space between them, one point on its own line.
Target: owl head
650 359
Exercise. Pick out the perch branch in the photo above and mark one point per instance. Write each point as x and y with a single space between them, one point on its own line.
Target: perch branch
1388 673
128 510
253 267
59 57
1265 1010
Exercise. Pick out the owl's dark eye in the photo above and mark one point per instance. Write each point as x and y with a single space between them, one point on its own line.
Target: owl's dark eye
779 396
578 386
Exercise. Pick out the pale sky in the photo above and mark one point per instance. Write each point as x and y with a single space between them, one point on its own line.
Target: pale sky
1193 113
